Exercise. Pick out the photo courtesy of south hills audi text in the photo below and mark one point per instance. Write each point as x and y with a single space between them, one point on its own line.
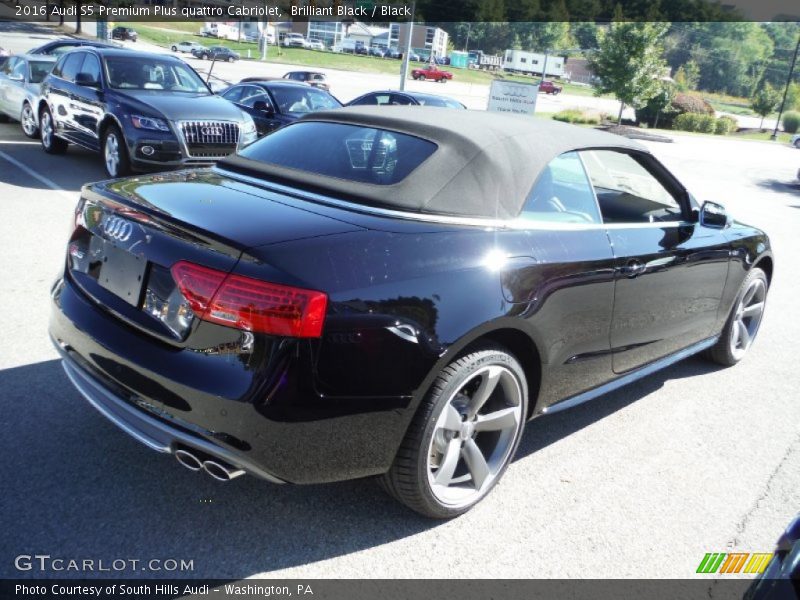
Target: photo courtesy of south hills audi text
162 590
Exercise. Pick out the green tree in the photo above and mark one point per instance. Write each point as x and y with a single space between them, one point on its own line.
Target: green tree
629 62
764 101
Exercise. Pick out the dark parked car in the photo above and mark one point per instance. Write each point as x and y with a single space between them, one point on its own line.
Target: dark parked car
20 77
59 47
313 78
216 53
124 33
393 53
393 292
395 98
141 111
377 51
275 103
780 577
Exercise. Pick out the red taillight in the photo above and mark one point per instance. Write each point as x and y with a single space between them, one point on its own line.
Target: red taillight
251 304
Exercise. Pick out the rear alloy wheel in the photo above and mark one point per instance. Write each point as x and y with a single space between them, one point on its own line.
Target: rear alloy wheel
744 321
115 154
231 59
50 143
463 436
28 121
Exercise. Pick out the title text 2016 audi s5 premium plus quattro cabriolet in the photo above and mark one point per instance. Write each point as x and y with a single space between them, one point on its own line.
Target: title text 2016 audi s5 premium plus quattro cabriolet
393 292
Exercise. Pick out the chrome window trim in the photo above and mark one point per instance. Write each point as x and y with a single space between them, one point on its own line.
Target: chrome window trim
517 223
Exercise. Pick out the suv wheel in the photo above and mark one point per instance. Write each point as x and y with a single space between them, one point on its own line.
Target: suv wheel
174 48
50 143
463 435
115 153
28 121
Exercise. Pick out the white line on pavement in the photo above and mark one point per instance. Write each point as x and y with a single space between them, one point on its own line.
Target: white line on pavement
20 142
48 182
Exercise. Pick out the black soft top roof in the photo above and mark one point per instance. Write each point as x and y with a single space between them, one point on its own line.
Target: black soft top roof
485 165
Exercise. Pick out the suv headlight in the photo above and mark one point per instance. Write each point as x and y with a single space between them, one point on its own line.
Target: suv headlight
249 133
149 123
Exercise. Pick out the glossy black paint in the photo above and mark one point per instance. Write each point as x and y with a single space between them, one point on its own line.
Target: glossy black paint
338 407
267 114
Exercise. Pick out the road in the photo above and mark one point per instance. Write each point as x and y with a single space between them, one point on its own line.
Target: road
640 483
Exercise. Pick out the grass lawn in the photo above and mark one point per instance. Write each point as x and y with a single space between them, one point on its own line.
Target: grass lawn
162 36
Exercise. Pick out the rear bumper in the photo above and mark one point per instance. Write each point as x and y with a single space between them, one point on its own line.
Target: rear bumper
265 418
154 434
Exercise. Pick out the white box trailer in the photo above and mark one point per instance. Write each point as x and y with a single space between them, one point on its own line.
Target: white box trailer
532 63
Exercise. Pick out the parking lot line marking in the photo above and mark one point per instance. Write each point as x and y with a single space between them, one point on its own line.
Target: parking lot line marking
20 142
42 179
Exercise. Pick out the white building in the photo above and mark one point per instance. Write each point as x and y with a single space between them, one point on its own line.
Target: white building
532 63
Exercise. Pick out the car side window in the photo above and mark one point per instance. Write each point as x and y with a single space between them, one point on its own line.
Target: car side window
72 66
562 193
627 191
91 66
19 69
398 100
253 94
369 100
234 94
10 65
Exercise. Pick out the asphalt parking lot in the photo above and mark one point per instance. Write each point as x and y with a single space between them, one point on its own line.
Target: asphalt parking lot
640 483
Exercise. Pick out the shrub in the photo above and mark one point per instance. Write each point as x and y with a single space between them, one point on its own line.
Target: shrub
577 117
791 121
724 125
686 122
680 104
690 103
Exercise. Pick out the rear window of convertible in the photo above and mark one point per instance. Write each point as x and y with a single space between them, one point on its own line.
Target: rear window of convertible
348 152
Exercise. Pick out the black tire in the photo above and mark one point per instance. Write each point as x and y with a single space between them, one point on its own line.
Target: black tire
50 142
112 135
723 352
408 478
797 144
174 48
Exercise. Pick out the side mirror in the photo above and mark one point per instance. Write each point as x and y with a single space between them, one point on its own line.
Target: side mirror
713 215
262 106
15 77
86 80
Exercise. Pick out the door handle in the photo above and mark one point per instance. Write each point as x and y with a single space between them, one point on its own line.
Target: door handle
633 268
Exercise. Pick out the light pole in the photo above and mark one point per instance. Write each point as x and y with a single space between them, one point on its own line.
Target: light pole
774 135
406 54
469 30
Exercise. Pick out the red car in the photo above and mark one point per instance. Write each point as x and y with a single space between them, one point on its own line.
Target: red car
548 87
432 72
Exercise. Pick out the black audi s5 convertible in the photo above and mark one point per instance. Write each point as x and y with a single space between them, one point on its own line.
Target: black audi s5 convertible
393 292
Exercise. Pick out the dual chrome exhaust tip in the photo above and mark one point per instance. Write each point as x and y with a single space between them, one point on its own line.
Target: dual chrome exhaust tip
219 470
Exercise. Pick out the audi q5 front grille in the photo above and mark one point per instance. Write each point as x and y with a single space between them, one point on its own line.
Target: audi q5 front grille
210 139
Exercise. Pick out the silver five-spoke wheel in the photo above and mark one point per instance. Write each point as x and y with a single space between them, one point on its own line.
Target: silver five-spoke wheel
28 121
47 129
463 435
111 154
474 435
748 317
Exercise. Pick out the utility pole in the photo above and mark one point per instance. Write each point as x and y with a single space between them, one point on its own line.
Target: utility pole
469 30
544 67
774 135
407 53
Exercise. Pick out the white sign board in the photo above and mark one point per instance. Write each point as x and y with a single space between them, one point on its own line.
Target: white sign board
513 97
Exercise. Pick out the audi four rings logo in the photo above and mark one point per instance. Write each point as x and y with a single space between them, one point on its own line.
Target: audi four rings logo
516 91
211 131
118 229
